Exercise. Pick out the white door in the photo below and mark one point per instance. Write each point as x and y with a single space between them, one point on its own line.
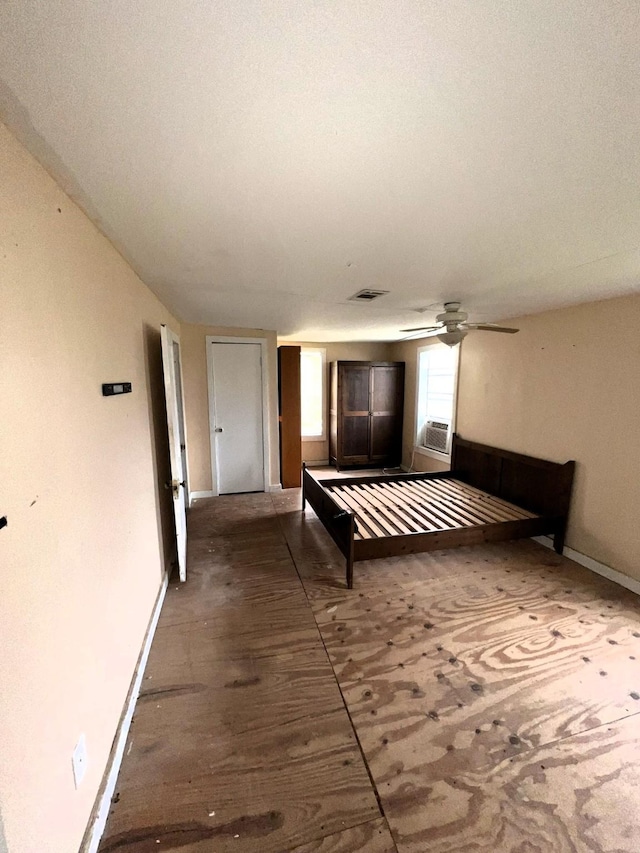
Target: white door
236 417
177 366
175 423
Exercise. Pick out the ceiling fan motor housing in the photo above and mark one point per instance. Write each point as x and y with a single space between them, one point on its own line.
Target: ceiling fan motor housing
452 317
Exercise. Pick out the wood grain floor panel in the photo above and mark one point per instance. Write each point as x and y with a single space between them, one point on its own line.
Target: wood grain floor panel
575 796
491 659
262 792
422 708
240 740
228 692
370 837
495 692
237 606
253 514
201 643
209 553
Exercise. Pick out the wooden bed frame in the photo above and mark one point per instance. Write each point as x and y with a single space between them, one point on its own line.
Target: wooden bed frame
489 495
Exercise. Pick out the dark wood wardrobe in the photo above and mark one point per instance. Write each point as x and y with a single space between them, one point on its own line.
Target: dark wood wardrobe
366 413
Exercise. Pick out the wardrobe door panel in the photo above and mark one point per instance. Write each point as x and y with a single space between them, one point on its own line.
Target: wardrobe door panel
384 388
355 389
355 440
383 437
387 392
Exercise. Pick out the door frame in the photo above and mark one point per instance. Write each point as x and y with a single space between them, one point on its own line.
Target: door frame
227 339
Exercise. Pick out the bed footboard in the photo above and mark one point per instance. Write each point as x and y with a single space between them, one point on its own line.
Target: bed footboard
339 523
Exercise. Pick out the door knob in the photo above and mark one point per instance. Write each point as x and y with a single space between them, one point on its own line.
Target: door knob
175 487
218 429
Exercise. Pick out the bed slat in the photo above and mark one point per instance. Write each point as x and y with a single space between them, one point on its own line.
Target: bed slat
396 516
399 497
466 505
383 518
431 521
420 505
362 532
362 515
427 503
416 524
487 512
467 515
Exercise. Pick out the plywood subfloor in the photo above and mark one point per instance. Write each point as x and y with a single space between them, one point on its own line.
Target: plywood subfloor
240 740
492 700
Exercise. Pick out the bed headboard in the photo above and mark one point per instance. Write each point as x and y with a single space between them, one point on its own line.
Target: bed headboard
537 485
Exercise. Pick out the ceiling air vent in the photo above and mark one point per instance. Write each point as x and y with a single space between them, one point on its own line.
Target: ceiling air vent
367 295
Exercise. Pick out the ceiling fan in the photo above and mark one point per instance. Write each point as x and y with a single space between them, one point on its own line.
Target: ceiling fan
452 326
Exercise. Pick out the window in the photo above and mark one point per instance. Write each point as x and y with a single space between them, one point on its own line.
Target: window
312 393
435 407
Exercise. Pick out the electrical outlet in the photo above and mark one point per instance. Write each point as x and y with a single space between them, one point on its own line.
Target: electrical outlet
79 760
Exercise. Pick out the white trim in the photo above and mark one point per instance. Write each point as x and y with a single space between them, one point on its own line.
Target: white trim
195 496
110 778
264 358
275 487
595 566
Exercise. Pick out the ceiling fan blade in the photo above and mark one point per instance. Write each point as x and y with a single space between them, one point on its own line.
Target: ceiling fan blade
422 329
420 335
489 327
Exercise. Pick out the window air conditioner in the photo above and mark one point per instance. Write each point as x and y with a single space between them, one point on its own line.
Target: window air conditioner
436 436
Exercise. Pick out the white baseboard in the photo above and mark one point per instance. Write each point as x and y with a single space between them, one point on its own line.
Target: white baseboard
194 496
101 813
595 566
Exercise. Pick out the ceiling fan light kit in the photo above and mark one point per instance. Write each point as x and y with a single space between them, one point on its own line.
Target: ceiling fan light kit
453 328
452 339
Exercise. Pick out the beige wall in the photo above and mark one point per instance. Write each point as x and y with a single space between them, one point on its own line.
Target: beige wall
85 547
407 351
568 387
314 452
196 394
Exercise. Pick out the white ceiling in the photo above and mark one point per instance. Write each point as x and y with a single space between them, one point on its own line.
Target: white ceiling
259 161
